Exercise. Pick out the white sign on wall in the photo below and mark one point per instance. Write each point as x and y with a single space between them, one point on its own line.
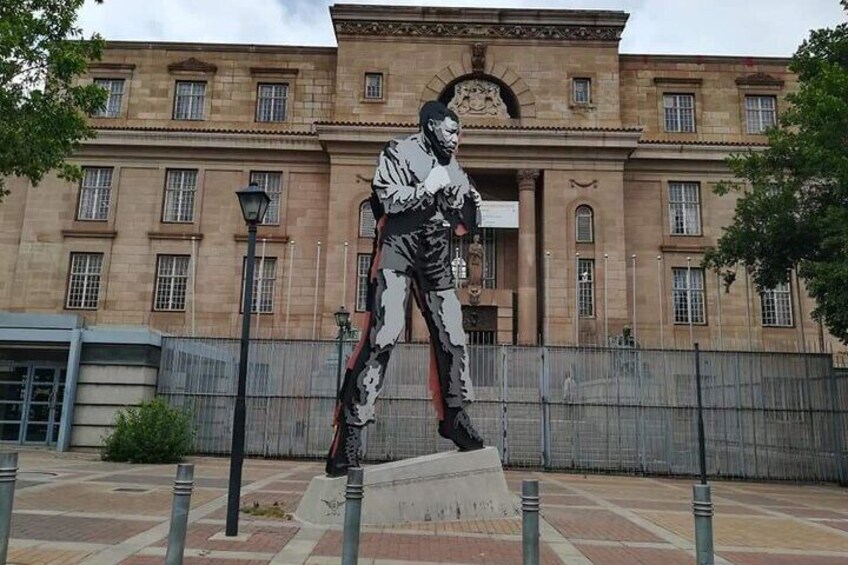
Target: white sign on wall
499 214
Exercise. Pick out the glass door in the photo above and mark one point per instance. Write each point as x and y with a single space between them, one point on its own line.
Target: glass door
41 424
13 390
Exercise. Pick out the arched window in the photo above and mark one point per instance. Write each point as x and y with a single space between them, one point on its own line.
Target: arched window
367 224
584 223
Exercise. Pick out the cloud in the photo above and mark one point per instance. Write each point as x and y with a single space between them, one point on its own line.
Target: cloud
717 27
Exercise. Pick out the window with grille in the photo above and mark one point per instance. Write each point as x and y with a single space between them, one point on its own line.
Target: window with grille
84 281
374 86
367 223
171 282
115 90
271 102
272 184
584 225
777 305
459 249
679 112
264 282
684 208
760 113
363 272
180 190
189 100
95 193
586 287
581 90
688 295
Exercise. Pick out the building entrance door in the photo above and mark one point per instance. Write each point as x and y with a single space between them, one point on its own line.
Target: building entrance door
31 398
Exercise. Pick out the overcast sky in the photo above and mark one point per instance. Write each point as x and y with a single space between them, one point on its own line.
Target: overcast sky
707 27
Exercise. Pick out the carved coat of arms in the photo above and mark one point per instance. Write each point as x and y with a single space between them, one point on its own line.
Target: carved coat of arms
478 98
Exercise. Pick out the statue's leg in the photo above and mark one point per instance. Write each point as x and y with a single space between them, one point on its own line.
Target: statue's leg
367 368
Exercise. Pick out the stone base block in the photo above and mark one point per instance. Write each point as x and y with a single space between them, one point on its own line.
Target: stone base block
434 488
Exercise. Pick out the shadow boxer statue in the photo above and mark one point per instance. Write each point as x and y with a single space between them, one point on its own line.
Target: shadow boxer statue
420 196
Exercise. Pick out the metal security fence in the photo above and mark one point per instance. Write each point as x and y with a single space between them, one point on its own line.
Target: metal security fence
766 415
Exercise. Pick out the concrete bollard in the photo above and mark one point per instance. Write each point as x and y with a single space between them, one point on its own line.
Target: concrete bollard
352 517
8 475
183 485
702 507
530 520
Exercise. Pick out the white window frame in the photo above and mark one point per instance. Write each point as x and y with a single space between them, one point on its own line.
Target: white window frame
371 91
84 275
172 274
114 103
363 275
760 113
180 196
586 287
272 183
688 282
586 216
189 100
777 306
684 208
271 101
95 194
264 285
679 113
581 95
367 223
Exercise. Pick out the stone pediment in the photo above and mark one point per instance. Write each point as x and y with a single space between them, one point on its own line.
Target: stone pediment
192 65
759 79
478 98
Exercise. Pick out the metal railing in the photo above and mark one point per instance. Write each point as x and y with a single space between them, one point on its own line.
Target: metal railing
767 415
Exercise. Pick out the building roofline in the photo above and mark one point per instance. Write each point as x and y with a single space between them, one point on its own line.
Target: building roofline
221 47
675 58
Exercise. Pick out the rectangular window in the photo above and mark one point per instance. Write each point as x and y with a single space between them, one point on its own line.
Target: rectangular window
374 86
684 208
180 189
760 113
272 184
688 295
95 193
586 287
363 272
679 112
189 100
115 88
264 282
581 90
84 281
777 306
271 102
171 282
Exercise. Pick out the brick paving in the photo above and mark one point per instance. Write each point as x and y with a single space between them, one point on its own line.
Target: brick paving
72 509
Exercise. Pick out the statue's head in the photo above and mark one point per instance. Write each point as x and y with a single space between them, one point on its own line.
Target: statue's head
441 126
476 238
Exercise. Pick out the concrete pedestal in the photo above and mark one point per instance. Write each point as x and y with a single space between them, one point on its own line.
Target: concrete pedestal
434 488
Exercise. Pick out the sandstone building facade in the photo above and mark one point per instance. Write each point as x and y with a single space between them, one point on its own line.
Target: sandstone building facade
601 166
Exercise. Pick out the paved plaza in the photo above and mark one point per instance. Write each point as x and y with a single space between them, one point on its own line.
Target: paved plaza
75 509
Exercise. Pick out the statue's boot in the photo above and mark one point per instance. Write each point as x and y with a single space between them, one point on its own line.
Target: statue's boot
345 450
456 426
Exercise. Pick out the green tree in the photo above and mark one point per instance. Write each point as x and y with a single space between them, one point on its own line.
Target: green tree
792 210
43 108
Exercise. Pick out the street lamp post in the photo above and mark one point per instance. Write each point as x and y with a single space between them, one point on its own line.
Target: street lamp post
254 203
343 322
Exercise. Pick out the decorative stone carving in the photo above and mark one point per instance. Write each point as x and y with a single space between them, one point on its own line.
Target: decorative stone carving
527 179
759 79
192 65
475 270
478 58
493 31
478 98
578 184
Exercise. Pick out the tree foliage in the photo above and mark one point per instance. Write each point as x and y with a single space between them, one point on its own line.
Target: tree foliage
792 211
42 106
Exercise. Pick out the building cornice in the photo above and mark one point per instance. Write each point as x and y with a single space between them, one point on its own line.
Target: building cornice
207 138
703 59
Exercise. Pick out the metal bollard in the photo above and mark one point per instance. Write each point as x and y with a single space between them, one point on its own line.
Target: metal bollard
352 518
183 485
530 520
8 474
702 507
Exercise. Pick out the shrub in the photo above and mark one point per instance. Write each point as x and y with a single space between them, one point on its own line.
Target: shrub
151 433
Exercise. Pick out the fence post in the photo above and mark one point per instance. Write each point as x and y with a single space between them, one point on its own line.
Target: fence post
504 399
702 505
530 520
837 405
8 475
544 395
183 486
352 517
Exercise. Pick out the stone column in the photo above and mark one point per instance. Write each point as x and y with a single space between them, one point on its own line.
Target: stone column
527 326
